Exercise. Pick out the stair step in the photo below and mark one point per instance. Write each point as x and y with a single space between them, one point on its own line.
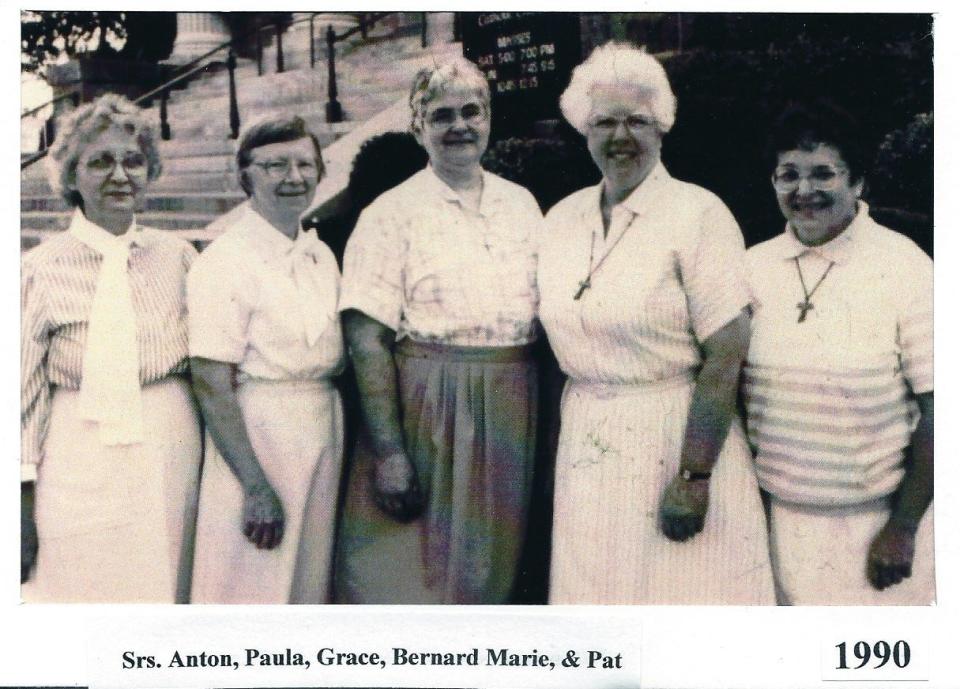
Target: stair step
200 238
52 221
199 181
205 204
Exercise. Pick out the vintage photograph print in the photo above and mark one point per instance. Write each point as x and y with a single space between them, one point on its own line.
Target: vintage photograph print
477 308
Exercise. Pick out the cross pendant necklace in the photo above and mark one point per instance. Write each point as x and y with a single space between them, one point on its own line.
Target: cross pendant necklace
807 305
585 284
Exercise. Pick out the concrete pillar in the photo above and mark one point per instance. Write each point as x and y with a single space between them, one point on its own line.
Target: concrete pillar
439 28
197 33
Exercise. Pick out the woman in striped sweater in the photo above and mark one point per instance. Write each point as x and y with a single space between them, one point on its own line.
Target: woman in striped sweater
110 438
839 380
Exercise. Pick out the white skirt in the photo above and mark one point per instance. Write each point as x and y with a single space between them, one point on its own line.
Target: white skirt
619 447
820 555
115 523
296 429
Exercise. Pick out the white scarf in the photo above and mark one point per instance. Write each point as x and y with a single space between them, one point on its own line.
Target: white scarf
316 300
110 387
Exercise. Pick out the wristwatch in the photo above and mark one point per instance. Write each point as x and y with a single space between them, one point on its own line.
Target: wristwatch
688 475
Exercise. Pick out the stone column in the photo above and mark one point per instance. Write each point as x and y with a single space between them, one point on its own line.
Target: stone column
439 28
197 33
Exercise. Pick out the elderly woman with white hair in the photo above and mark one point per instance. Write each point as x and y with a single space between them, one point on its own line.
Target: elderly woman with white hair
110 435
439 298
643 298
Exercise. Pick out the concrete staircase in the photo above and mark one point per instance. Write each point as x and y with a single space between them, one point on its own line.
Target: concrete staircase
198 183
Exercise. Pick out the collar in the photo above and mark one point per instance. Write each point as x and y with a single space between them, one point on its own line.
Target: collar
437 186
839 249
269 242
95 236
642 199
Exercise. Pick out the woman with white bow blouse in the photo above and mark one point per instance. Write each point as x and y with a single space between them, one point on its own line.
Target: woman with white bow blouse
264 341
110 439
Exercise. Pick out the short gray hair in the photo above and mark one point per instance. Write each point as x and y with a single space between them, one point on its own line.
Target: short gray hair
85 124
618 64
273 129
430 82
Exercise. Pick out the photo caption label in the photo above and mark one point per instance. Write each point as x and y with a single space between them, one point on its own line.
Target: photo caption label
331 648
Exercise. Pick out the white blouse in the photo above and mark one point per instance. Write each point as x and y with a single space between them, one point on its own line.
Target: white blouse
671 273
431 269
266 303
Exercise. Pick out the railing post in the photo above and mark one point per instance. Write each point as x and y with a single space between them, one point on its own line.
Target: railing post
278 32
49 132
334 111
260 52
423 29
234 108
313 54
164 122
363 25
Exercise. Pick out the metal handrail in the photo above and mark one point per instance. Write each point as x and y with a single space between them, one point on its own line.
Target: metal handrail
74 95
194 65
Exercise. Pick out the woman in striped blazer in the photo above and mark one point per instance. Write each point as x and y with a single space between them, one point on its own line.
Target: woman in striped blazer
110 435
839 379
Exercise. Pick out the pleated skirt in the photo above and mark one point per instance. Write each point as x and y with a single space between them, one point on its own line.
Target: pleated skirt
619 448
296 429
469 423
820 555
116 523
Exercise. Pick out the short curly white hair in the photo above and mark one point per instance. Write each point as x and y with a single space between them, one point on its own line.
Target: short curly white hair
430 82
85 124
618 64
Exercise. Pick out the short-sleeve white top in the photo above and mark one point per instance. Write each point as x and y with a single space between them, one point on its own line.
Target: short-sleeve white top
668 275
829 398
250 295
428 267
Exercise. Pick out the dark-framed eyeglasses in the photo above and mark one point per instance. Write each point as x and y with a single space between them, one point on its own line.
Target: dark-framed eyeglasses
471 113
821 178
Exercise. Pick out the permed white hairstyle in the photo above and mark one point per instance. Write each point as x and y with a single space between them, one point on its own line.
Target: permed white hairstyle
431 82
618 64
84 125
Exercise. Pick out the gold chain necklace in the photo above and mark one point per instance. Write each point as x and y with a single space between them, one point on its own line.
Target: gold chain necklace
806 304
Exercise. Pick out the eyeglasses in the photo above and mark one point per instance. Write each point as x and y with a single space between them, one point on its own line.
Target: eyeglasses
280 168
635 123
105 163
471 113
821 178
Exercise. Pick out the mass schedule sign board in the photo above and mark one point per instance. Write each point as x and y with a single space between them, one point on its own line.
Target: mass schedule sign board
527 58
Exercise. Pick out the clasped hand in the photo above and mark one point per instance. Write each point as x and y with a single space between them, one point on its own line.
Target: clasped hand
396 488
890 558
263 517
683 508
